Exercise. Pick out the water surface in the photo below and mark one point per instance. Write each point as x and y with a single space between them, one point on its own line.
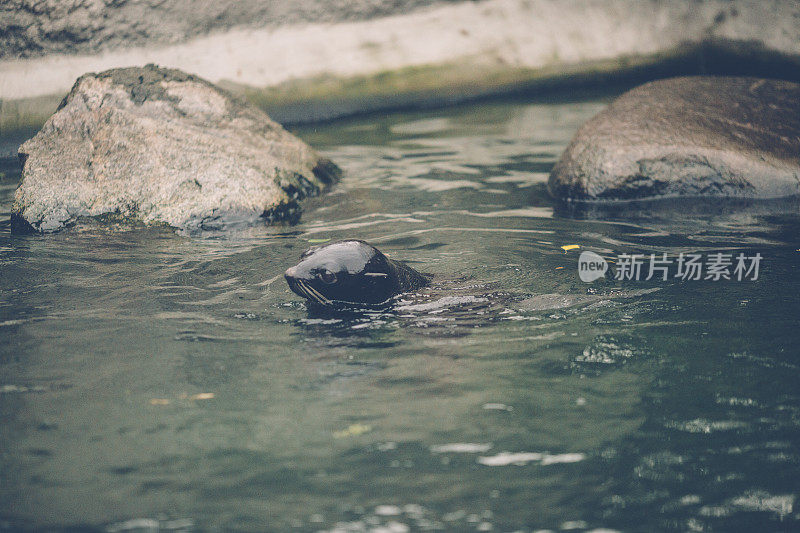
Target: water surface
155 380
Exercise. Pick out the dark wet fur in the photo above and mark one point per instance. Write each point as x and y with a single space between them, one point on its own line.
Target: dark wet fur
351 272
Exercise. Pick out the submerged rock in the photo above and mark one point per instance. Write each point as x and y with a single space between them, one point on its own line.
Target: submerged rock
161 146
692 136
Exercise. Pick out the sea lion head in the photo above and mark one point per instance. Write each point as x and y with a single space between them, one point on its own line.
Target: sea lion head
348 271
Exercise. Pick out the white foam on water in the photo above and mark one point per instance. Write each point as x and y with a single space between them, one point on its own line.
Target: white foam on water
563 458
387 510
461 447
782 505
497 407
505 459
523 458
5 389
139 524
573 524
700 425
443 303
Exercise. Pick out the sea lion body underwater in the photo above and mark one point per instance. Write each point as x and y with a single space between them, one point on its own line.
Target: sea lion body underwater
351 272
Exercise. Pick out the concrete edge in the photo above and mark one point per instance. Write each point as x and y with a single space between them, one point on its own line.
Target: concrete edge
443 55
328 97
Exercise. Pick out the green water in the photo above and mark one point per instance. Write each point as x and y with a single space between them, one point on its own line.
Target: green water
154 381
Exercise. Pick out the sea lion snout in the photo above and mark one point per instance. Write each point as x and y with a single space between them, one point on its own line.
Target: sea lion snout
291 273
294 279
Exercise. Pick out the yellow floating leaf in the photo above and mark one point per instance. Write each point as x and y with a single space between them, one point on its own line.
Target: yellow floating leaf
318 241
568 247
159 401
352 431
203 396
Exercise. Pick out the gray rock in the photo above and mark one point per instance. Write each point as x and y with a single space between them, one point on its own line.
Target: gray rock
162 147
693 136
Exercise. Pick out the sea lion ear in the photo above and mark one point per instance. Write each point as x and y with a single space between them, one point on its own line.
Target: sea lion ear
309 252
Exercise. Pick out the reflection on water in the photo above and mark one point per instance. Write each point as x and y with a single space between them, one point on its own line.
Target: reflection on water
150 380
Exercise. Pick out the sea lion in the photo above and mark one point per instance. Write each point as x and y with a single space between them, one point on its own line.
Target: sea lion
351 272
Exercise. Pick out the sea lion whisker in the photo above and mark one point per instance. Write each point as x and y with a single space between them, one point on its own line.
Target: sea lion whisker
304 290
319 296
311 293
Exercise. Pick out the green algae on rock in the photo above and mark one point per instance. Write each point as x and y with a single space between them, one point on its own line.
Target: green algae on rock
160 146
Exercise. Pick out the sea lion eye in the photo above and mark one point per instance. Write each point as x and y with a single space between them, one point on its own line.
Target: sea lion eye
327 276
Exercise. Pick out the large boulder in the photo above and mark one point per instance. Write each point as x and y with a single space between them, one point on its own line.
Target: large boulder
692 136
161 146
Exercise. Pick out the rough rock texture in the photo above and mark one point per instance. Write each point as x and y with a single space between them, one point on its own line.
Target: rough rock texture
162 147
388 52
692 136
31 28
